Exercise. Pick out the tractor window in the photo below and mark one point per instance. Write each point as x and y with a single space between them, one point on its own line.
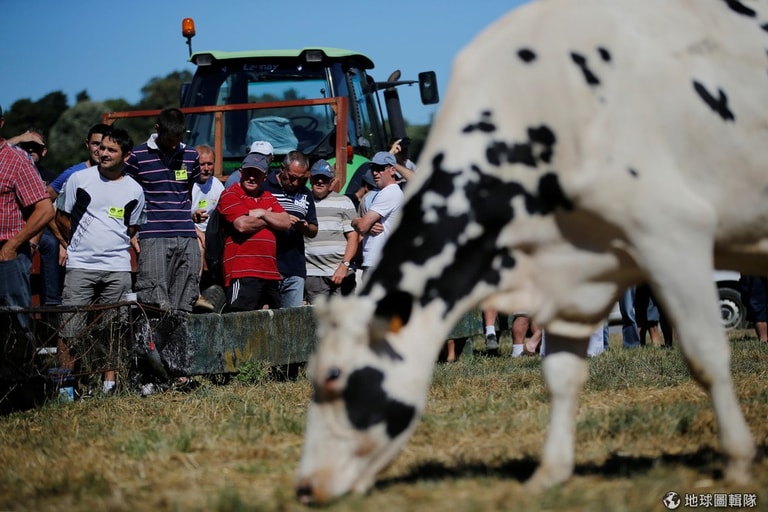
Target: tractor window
287 128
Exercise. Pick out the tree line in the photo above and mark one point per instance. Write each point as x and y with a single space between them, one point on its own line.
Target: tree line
65 127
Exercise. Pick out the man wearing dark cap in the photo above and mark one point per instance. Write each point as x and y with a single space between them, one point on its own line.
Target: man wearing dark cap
21 189
251 215
378 222
330 253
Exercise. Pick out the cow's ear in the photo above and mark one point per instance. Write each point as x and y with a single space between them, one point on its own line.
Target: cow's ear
392 313
396 308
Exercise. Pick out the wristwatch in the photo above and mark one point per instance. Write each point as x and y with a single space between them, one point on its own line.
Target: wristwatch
345 263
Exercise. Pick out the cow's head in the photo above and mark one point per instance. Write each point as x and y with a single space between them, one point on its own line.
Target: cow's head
367 394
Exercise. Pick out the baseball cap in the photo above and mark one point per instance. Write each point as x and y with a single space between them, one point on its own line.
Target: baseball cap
255 161
384 158
321 168
262 147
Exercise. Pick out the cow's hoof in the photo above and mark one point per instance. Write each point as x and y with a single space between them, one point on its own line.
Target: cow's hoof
546 478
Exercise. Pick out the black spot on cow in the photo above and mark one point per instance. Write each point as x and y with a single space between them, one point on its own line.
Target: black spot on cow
764 26
739 8
633 172
546 137
604 54
542 135
550 196
525 153
581 62
526 55
498 153
484 125
719 104
368 404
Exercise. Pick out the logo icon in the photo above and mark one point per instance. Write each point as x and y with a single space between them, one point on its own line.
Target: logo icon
671 500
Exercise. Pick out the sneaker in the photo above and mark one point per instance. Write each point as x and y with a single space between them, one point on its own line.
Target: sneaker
202 303
491 343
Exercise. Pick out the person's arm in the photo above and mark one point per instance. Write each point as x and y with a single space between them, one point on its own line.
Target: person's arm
26 137
364 224
259 218
42 212
350 250
303 227
405 172
64 223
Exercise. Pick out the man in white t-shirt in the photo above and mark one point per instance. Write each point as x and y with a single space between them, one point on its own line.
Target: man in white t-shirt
99 210
205 197
378 222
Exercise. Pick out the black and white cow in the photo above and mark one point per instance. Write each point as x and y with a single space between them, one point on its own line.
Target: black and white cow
583 147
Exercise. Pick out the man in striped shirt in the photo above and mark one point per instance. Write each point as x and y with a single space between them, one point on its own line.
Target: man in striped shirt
169 257
289 186
330 253
251 215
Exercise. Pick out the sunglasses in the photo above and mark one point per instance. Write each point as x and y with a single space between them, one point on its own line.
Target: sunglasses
320 180
32 147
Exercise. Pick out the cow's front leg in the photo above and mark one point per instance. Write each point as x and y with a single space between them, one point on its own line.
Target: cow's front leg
565 372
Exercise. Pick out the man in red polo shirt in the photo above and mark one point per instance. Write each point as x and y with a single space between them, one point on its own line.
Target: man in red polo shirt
251 278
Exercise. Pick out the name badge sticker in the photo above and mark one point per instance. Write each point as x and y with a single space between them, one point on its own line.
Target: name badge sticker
202 204
115 212
181 174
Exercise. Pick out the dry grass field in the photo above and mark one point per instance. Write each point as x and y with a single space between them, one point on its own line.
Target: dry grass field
644 429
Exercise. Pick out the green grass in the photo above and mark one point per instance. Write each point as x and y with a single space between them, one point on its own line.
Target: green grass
644 428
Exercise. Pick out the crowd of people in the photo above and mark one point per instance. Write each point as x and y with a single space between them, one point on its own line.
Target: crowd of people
281 236
132 222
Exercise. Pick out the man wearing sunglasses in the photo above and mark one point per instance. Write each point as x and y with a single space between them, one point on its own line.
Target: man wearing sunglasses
377 223
289 186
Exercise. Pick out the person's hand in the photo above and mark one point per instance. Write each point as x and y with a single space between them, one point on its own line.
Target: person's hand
199 216
395 149
135 244
257 213
62 256
339 274
27 137
6 253
376 229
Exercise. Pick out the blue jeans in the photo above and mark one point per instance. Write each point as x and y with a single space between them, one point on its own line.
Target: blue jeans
629 335
292 292
49 268
14 289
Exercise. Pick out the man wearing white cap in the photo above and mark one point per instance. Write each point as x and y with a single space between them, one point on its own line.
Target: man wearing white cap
377 223
261 147
251 215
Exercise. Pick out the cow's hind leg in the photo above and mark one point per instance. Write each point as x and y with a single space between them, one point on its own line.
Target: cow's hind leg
565 372
689 298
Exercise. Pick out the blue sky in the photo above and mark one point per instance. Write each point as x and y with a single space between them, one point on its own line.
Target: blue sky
112 49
